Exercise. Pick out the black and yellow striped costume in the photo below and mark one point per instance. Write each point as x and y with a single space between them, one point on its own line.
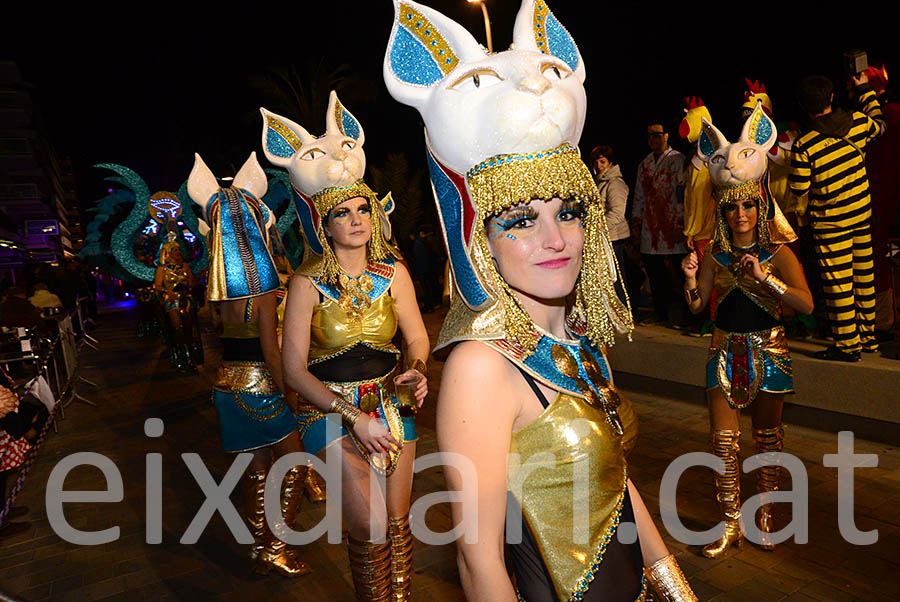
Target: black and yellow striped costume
828 164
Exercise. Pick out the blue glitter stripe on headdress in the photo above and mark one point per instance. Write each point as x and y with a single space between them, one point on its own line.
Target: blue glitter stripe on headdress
249 269
411 62
307 226
449 204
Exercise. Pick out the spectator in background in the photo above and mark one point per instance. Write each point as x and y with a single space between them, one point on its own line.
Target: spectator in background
43 298
13 447
659 218
884 185
828 164
614 196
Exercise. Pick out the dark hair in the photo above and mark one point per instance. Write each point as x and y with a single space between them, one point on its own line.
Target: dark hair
604 150
814 93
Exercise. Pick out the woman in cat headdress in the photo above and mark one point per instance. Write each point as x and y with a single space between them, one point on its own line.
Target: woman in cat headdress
248 395
344 306
751 272
526 386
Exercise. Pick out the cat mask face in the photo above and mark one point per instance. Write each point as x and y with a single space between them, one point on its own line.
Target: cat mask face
477 105
731 164
331 160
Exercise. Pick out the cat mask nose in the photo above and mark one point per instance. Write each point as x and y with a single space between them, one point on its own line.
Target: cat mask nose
534 84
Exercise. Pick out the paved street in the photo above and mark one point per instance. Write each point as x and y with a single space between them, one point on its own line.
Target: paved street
136 383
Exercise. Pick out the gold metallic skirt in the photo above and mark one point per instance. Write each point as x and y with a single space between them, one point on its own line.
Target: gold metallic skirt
744 363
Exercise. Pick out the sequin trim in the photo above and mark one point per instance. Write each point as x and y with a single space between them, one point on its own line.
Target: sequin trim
428 37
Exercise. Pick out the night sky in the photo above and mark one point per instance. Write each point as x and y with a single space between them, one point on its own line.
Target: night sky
148 84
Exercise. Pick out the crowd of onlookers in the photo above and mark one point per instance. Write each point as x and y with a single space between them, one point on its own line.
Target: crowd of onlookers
835 179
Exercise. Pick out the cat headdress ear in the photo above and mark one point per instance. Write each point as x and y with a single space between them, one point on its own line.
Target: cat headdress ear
759 129
710 141
424 48
282 138
339 120
537 29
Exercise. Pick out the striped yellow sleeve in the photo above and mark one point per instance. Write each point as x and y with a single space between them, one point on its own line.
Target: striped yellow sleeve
800 172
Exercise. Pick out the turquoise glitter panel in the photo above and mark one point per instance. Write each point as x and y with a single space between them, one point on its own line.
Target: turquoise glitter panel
277 145
541 362
347 122
249 422
560 42
249 269
123 237
236 284
705 144
411 62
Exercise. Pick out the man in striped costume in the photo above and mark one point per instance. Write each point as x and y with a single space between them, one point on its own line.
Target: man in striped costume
828 164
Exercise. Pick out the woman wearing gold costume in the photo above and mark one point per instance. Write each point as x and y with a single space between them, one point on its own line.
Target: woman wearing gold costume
750 273
345 304
248 393
526 395
173 282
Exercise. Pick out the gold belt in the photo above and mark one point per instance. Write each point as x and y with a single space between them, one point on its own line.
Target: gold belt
369 390
245 377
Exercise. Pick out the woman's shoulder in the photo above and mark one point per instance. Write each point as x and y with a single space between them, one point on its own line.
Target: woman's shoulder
478 364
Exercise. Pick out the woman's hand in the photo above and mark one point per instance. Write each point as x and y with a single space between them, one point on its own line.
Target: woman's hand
751 264
690 264
374 436
7 401
414 377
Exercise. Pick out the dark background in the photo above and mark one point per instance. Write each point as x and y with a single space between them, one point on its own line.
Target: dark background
148 84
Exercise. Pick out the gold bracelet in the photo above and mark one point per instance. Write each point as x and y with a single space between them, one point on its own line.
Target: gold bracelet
693 294
666 577
349 412
775 286
418 366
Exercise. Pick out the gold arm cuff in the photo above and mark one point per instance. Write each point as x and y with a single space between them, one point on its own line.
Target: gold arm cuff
349 412
693 294
418 366
775 286
666 577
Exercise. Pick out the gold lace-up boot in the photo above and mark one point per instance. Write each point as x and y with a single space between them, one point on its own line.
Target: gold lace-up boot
255 509
370 564
767 440
275 555
313 486
726 445
401 557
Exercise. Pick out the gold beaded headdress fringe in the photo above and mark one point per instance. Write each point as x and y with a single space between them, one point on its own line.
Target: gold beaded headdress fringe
770 232
508 180
326 267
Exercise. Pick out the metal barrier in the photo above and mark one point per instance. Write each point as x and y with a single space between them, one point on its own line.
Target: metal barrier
56 365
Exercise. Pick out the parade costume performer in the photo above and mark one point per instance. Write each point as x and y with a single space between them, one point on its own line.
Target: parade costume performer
749 272
253 414
345 304
699 218
159 244
173 282
526 384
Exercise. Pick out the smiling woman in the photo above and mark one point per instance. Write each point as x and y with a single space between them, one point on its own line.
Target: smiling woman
526 386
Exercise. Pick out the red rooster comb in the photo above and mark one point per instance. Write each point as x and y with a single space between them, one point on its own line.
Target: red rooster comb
753 87
692 102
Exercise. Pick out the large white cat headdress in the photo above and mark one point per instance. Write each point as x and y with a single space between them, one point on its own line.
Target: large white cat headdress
739 171
240 253
502 129
325 171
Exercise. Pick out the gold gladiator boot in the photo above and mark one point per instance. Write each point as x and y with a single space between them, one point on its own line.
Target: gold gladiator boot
255 509
726 445
767 440
401 557
275 555
370 564
313 486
